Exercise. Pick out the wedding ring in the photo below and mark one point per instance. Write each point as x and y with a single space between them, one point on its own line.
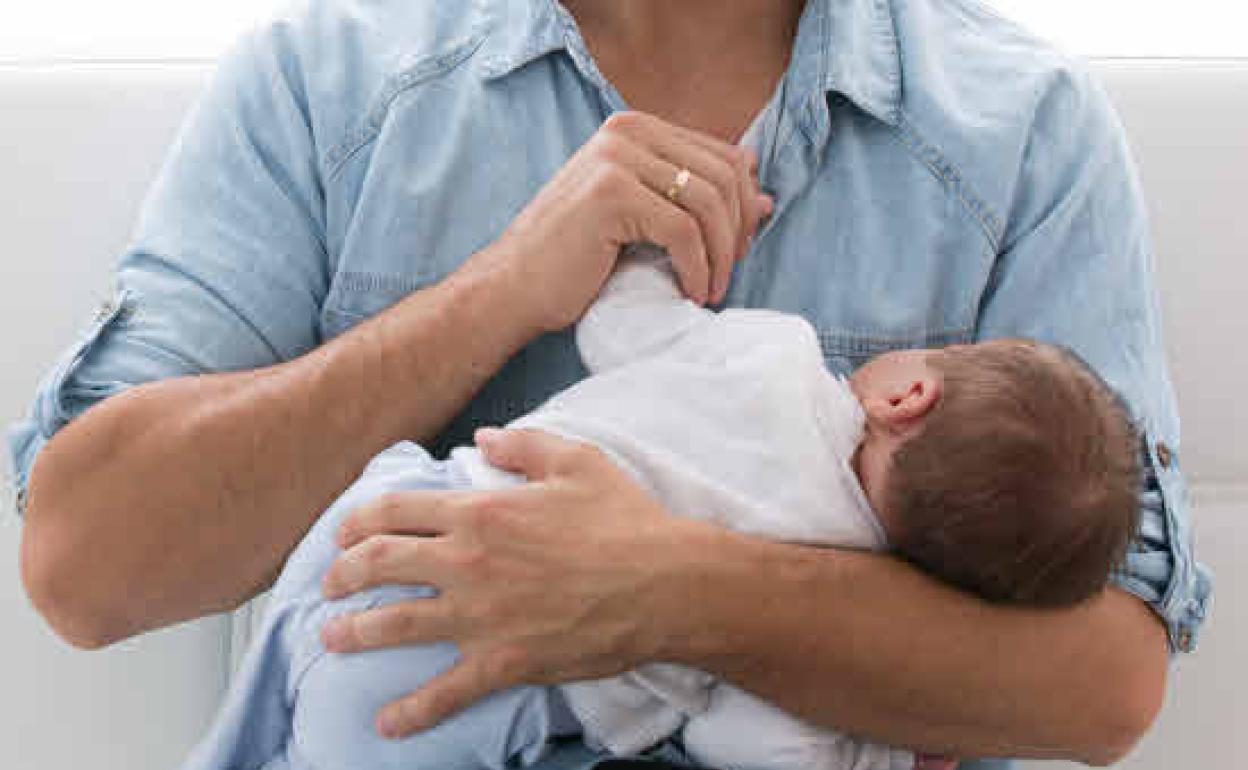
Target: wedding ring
678 185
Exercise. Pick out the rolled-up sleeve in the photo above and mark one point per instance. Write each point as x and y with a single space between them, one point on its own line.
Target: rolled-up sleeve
1074 267
227 267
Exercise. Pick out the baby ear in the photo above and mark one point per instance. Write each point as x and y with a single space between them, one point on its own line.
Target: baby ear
919 400
904 406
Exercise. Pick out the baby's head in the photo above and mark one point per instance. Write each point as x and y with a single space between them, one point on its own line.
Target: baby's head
1006 468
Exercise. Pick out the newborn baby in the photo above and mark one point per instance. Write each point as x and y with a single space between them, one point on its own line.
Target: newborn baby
1004 468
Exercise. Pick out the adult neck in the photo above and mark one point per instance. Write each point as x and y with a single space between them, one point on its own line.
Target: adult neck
692 29
707 64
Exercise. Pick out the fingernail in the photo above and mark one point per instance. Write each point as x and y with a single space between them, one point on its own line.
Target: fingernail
486 435
387 725
335 635
767 203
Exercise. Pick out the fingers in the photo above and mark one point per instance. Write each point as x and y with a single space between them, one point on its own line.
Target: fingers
715 216
535 454
722 194
450 692
425 513
386 560
419 621
697 226
681 235
744 162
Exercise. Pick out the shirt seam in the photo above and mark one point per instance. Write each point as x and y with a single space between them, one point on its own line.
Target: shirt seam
951 176
427 68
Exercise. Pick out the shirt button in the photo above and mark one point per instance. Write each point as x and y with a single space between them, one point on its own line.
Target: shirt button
1185 640
104 311
1163 454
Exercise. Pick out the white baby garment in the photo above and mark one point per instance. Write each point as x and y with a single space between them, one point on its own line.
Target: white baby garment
730 417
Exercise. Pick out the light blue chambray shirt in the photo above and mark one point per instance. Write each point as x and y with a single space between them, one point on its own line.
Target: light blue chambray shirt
940 177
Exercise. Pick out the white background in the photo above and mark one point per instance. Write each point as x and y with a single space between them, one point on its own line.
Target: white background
169 29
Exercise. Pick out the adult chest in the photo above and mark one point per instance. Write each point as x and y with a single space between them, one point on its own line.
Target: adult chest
866 242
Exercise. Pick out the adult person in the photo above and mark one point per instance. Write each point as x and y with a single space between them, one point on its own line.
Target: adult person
348 246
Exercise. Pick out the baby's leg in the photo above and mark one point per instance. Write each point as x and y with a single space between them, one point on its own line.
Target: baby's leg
294 706
742 732
335 698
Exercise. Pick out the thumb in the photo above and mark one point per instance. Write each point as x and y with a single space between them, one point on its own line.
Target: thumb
526 451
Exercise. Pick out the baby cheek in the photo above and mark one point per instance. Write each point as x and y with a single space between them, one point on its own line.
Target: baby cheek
873 465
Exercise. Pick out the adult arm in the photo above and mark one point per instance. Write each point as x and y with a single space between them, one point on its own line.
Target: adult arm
859 642
182 448
889 653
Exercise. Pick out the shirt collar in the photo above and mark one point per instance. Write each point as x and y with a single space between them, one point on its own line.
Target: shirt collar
850 46
523 31
860 56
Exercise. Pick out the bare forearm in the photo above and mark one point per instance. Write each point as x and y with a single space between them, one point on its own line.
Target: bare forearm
182 497
866 644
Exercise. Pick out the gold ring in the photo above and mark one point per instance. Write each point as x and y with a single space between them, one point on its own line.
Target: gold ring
678 185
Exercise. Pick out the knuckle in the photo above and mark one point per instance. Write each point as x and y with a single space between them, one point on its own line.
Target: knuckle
607 180
720 209
624 121
509 663
469 558
479 512
388 625
572 456
386 510
436 701
725 182
404 624
375 551
611 148
580 457
687 231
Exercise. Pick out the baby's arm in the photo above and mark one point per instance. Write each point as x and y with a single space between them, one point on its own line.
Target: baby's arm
639 312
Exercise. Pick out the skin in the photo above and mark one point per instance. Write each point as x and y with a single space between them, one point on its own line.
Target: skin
896 390
150 487
131 505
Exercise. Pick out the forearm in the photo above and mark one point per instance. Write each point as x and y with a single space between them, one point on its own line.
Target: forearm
866 644
179 498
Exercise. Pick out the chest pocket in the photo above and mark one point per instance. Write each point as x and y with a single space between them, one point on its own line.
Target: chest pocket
843 352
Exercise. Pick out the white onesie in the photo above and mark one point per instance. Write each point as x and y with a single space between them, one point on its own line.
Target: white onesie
730 417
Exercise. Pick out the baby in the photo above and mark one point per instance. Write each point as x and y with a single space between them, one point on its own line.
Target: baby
1005 468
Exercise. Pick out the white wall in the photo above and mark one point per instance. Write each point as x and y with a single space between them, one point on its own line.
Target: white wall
77 151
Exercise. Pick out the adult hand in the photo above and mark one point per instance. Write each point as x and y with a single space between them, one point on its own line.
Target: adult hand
551 581
613 191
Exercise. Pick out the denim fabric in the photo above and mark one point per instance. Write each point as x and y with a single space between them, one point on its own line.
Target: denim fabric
940 177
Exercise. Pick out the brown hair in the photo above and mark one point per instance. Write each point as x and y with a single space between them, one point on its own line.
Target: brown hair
1022 483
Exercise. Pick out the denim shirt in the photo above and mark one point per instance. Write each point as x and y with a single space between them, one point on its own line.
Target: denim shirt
940 176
